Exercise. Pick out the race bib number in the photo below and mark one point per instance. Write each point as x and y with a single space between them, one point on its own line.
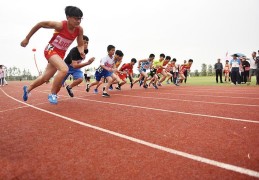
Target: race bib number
100 69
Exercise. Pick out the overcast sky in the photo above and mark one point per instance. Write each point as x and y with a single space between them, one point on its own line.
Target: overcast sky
203 30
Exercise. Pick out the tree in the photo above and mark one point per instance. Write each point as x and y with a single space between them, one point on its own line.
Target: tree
210 70
196 72
203 70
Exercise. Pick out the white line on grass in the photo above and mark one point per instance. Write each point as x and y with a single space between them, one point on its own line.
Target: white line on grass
226 166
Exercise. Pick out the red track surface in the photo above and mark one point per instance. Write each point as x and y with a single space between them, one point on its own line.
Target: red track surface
135 134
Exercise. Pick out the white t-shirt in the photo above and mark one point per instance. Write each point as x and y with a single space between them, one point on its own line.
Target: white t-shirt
107 61
252 63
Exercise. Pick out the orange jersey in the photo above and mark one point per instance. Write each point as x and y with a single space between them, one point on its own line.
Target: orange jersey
60 41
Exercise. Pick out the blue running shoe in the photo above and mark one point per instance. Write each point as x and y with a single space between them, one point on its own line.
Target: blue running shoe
111 87
53 99
25 93
95 91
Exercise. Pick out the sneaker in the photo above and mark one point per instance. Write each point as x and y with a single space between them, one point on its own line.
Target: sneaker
167 82
111 88
87 88
53 99
176 84
118 88
105 95
145 86
140 83
25 93
154 85
159 84
131 85
70 92
95 91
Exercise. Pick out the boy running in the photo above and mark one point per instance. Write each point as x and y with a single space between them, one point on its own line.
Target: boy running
184 68
126 70
64 35
73 61
143 65
105 70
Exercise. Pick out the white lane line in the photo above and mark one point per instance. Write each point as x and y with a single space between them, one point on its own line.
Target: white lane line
229 97
214 91
226 166
207 102
170 111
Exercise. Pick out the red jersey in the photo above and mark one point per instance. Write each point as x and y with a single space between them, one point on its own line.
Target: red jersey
184 67
60 41
127 67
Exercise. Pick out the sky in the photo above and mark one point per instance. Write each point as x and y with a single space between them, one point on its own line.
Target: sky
202 30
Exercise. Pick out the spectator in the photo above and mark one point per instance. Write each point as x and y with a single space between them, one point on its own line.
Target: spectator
257 69
252 66
235 65
5 72
1 76
227 71
245 70
218 67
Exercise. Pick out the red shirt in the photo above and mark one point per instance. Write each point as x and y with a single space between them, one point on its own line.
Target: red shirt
127 67
62 39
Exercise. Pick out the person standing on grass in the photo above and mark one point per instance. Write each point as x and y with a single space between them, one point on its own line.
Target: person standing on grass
218 67
245 70
64 35
252 66
1 75
105 70
74 63
235 65
257 69
227 71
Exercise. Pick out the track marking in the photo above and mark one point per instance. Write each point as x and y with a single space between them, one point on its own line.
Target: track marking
207 102
222 165
206 95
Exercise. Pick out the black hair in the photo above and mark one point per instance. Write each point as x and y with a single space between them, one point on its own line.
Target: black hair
119 53
168 58
73 11
151 56
133 60
162 55
110 47
174 59
190 60
85 38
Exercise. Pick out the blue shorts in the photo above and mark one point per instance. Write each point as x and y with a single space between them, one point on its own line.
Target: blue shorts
104 73
76 73
142 70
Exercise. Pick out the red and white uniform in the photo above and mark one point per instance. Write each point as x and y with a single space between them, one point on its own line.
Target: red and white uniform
184 68
128 68
60 41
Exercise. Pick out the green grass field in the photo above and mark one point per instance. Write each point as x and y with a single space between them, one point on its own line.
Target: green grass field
211 81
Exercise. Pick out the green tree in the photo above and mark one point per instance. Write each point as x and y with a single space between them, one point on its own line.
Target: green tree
204 69
210 70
